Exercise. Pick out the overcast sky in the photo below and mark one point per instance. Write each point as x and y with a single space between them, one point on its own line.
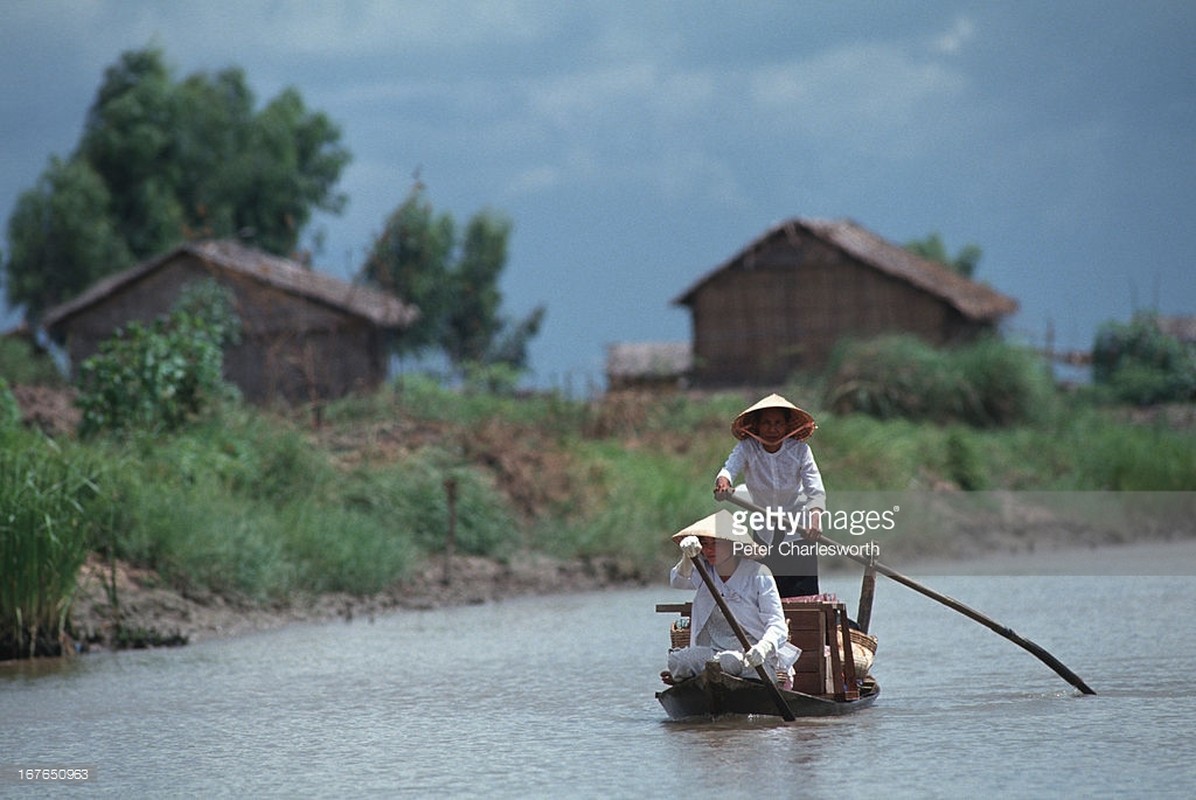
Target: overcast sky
637 145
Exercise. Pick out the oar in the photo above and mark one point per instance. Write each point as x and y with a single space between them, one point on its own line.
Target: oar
1001 630
769 683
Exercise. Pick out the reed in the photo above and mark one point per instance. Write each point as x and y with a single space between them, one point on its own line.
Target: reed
50 500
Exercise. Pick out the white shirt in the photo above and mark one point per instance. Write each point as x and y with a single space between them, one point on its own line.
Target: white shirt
751 595
787 479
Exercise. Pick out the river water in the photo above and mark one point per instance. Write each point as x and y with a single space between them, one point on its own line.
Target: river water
553 697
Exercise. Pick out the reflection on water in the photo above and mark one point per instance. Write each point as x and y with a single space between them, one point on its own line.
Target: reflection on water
549 696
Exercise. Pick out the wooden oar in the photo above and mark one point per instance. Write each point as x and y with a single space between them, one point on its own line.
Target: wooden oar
769 682
1001 630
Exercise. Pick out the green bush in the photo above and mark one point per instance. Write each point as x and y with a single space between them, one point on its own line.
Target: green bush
987 383
158 376
1140 364
20 364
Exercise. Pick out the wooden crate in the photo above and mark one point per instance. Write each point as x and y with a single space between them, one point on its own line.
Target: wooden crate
817 628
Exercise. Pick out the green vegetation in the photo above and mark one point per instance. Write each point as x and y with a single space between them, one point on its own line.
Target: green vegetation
932 248
452 278
156 377
20 364
52 508
988 383
10 411
162 160
1136 362
260 508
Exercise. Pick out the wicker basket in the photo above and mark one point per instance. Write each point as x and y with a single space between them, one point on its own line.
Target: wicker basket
863 651
679 633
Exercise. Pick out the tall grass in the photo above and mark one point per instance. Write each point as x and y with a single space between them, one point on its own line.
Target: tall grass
251 508
644 496
50 503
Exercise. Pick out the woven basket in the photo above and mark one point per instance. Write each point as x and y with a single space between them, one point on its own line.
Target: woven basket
679 636
863 651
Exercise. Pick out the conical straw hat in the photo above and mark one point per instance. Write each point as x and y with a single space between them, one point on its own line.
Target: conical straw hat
803 424
719 525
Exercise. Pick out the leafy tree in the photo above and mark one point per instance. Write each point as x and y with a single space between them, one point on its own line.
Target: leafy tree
61 237
411 259
932 249
161 161
454 283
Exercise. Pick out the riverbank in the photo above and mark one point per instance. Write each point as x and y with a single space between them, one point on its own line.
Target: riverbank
148 613
347 516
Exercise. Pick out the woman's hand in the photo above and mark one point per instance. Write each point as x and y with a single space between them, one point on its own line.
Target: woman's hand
722 488
814 532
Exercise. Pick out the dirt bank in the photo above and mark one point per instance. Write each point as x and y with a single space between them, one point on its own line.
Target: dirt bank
151 614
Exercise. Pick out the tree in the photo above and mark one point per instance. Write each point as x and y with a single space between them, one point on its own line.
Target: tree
932 249
161 161
61 237
454 283
410 259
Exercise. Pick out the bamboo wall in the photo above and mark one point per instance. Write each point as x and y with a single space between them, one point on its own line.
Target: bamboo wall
786 306
291 348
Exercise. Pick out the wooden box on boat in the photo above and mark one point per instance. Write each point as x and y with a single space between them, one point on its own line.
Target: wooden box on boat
817 628
825 676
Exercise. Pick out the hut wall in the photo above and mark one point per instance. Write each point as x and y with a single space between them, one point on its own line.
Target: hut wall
785 306
143 301
291 347
305 367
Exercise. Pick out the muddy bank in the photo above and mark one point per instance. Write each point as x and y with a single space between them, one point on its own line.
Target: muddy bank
147 613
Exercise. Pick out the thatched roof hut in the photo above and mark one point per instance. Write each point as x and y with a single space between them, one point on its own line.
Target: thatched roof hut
786 299
648 365
305 336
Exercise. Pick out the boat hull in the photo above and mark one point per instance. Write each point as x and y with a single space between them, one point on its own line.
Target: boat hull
715 693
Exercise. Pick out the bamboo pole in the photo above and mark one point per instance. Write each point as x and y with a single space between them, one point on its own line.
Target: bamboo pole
996 627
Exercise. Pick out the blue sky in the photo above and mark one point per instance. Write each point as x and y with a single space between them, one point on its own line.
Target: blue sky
636 145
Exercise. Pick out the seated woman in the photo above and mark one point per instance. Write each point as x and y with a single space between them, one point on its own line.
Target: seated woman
750 593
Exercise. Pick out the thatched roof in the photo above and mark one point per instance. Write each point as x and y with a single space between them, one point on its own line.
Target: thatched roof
973 300
638 360
1181 327
379 308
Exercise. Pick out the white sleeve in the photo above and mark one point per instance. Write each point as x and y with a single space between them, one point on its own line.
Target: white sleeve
811 480
679 581
734 463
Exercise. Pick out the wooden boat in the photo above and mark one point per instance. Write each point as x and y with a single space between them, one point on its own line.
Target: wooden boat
825 681
714 693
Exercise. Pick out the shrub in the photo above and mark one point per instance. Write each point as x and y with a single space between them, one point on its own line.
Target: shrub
159 376
21 364
1141 364
987 383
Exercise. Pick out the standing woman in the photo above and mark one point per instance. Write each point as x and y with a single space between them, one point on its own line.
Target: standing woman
779 470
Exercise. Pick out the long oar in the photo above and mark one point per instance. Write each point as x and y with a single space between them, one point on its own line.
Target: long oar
769 682
952 603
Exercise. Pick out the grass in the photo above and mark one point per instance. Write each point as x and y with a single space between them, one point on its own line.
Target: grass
51 504
254 505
